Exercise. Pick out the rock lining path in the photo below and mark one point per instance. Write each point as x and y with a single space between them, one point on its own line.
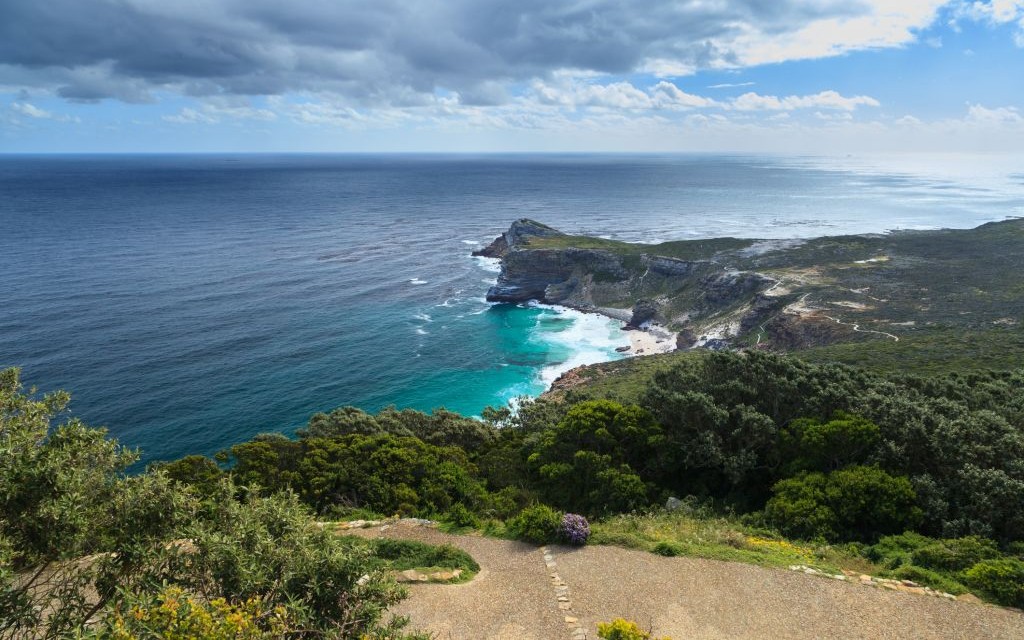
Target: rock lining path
560 593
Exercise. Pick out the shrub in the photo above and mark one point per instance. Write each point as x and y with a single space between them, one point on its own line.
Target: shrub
856 503
575 529
172 613
956 554
668 549
827 446
894 551
507 502
620 629
460 516
589 461
1002 580
410 554
539 524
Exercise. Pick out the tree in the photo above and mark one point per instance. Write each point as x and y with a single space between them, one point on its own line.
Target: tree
588 462
856 503
63 497
814 445
81 541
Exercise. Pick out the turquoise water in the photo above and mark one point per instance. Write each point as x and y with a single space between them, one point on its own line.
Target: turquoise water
191 302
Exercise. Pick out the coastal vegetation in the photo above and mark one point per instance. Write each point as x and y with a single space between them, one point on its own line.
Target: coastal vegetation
789 458
85 548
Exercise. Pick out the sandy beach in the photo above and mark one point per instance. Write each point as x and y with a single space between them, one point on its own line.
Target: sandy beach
654 339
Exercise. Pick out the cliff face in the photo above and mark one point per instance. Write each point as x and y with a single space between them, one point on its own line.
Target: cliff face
541 263
555 275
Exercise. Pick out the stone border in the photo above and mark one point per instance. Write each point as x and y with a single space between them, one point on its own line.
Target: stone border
576 631
906 586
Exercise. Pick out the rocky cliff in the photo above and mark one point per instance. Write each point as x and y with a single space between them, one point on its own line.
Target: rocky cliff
541 263
771 293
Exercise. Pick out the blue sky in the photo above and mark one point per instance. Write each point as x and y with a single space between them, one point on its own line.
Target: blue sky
818 76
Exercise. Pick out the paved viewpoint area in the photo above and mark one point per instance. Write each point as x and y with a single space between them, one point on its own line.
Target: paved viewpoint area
558 593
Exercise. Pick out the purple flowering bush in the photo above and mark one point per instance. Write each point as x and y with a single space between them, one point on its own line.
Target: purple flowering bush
575 529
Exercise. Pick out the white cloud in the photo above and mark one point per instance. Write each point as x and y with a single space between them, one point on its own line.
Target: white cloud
825 100
730 85
31 111
977 114
666 95
219 109
617 95
881 24
189 115
909 121
995 13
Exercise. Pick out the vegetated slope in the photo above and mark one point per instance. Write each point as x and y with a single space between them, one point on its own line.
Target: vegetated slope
792 447
929 289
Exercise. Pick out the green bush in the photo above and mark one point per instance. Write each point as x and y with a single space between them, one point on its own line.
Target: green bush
410 554
811 445
894 551
539 524
460 516
588 462
956 554
1002 580
507 502
668 549
856 503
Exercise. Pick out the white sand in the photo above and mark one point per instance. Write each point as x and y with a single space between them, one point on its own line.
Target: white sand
655 339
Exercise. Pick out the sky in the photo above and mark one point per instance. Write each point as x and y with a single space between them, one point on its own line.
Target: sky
775 76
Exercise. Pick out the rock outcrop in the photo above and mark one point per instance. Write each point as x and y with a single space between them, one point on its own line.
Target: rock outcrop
541 263
550 275
517 235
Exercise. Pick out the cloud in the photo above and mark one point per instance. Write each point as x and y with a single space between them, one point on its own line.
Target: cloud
395 53
824 100
730 85
617 95
190 116
994 13
977 114
215 110
31 111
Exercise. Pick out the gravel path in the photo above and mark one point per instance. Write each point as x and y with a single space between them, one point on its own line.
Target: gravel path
510 599
513 597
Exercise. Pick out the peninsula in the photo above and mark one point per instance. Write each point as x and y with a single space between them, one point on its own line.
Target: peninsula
900 291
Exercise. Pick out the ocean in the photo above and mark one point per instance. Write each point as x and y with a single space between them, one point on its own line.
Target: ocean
190 302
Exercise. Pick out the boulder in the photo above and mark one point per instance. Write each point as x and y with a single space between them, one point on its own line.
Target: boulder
643 311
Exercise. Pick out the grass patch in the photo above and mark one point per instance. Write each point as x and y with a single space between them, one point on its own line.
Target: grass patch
679 249
684 533
930 351
400 555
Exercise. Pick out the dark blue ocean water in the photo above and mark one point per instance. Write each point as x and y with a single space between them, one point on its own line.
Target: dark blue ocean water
190 302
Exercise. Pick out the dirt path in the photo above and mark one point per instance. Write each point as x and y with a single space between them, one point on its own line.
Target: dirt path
515 597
